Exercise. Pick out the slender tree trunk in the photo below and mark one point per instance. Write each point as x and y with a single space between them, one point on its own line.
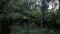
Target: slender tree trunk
59 5
42 13
59 8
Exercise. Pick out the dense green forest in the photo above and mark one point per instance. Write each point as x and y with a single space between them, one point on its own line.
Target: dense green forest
29 16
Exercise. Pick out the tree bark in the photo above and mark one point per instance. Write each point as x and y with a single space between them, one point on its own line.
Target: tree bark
59 8
42 13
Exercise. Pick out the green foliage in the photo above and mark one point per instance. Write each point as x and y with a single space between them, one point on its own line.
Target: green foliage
52 18
15 15
17 9
34 14
21 30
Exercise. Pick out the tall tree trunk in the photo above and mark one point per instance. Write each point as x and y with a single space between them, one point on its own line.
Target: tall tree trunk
59 8
42 13
59 5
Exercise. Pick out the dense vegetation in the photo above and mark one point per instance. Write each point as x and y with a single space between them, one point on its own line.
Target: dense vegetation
27 17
